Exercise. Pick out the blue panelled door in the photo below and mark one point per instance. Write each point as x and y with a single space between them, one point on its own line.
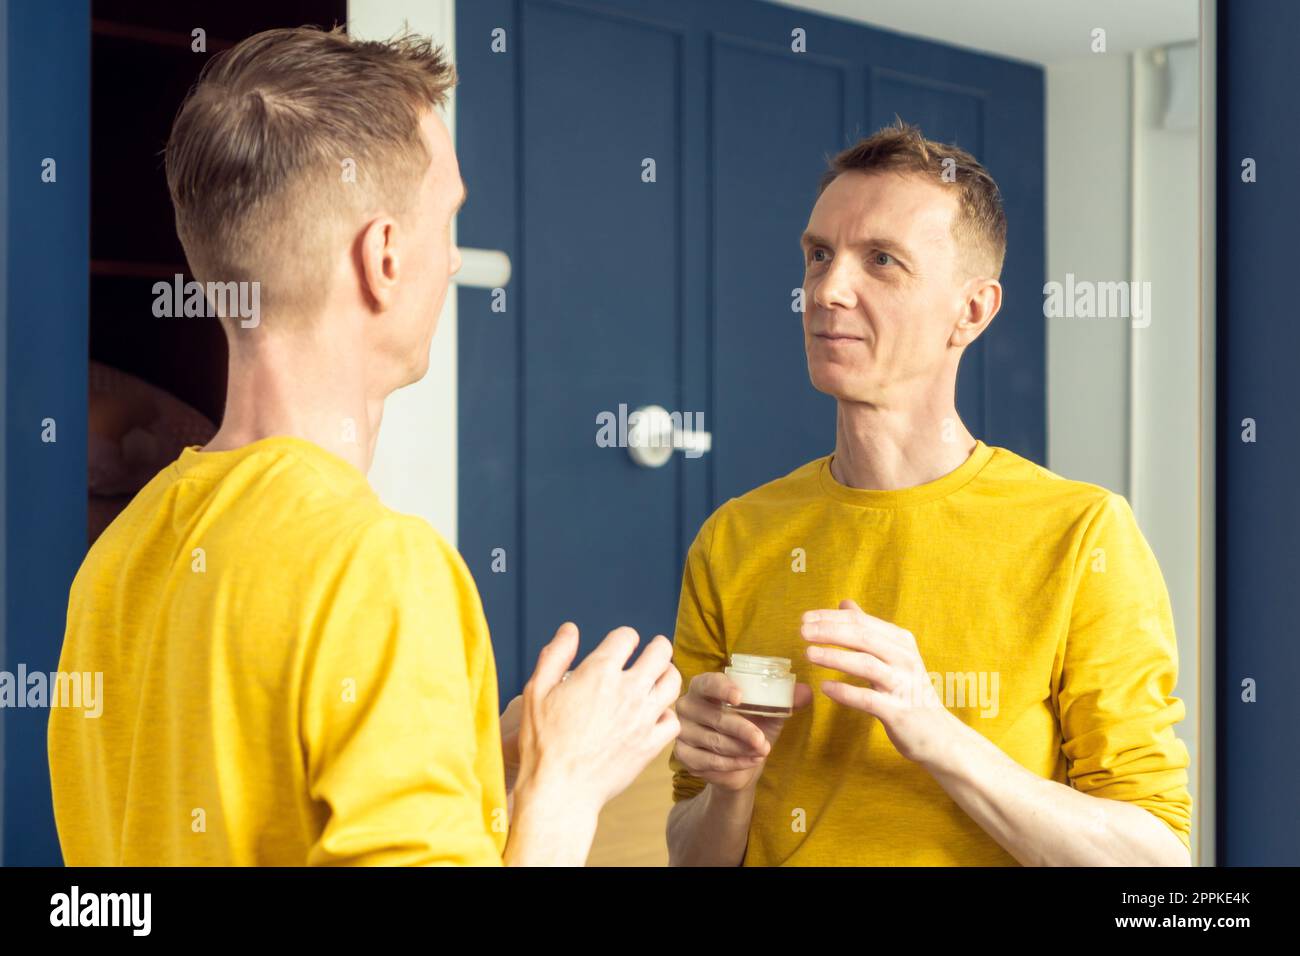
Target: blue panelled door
676 289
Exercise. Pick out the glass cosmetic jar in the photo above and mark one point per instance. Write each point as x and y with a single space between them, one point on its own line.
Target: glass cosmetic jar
766 685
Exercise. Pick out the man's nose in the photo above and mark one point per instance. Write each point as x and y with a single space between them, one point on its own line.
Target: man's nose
835 290
455 259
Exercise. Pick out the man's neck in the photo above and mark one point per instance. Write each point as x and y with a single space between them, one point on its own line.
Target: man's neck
301 390
888 449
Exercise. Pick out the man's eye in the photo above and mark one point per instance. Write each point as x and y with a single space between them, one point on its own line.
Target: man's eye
814 255
883 255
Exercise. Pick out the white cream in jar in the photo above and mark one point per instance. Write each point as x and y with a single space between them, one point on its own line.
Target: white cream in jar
766 685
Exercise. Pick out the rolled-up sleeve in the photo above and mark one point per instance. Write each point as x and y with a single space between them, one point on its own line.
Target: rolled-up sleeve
1118 672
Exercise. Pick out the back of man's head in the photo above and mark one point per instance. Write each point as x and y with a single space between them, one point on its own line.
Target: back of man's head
286 143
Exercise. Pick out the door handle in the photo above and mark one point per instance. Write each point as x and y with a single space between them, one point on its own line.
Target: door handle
653 434
483 268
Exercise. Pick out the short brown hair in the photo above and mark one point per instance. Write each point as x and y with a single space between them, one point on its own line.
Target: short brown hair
258 153
980 227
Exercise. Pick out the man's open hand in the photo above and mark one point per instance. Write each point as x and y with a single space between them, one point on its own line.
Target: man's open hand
886 656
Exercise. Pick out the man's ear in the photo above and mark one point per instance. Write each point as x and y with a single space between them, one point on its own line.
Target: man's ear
983 300
380 265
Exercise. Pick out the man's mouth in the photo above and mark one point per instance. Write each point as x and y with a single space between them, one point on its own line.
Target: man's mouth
838 337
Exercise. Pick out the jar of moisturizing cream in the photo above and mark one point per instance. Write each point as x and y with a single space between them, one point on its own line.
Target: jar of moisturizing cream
766 685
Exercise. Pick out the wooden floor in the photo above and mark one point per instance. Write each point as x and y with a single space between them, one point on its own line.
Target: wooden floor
631 828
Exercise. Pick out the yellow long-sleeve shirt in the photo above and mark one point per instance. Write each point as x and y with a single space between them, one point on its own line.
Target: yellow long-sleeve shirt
293 674
1039 612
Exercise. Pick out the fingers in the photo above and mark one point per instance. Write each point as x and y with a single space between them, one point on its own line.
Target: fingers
703 737
856 663
511 717
666 689
708 761
666 729
874 702
554 660
711 716
803 695
847 630
850 611
702 710
715 686
653 662
615 649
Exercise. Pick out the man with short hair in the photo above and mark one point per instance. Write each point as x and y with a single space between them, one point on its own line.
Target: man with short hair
987 649
294 673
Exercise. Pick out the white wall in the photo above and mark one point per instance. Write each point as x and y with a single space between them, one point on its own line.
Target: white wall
1165 355
415 460
1123 203
1087 127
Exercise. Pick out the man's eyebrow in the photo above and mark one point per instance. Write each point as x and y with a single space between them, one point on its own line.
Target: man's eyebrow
875 242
